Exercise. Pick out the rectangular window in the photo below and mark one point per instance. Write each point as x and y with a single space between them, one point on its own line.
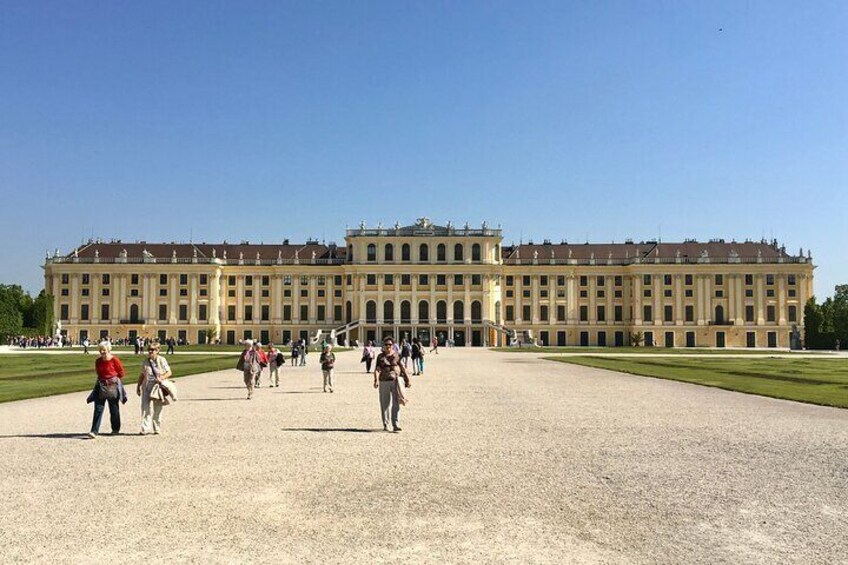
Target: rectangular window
389 280
266 280
163 312
525 280
687 280
265 293
647 293
526 315
304 280
770 280
441 280
719 293
337 280
248 280
543 313
668 313
749 313
231 293
770 292
106 278
770 313
321 312
231 280
163 279
423 280
202 312
719 280
287 312
104 312
601 294
337 312
349 280
104 292
667 293
560 280
371 280
248 313
204 280
84 312
543 280
265 312
749 280
183 312
63 312
65 292
458 280
85 292
525 293
647 313
183 280
667 280
646 279
749 293
560 312
65 278
304 293
584 313
476 280
602 314
85 279
510 313
231 313
133 279
509 280
618 294
248 293
600 280
287 280
584 280
791 293
690 313
790 280
338 294
793 314
619 313
304 312
618 280
183 292
405 280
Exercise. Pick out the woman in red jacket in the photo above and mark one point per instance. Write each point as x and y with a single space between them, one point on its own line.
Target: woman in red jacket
109 389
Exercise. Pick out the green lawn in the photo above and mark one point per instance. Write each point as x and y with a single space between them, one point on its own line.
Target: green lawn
816 381
33 375
647 350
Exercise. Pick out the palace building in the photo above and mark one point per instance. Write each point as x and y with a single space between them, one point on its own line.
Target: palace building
454 283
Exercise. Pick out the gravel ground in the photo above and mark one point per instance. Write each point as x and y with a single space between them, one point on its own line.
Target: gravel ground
503 458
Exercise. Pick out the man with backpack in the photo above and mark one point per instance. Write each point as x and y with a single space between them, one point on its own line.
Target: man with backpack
275 361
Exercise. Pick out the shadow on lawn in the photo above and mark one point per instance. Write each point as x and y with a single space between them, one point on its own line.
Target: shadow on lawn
48 436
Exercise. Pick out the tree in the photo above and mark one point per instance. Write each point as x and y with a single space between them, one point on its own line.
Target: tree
11 317
41 313
636 339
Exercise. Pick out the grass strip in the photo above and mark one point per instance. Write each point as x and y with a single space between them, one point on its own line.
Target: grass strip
814 381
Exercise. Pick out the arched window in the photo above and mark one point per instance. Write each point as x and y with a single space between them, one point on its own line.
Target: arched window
475 252
348 312
424 253
476 312
404 252
372 252
371 312
440 252
405 312
388 312
390 252
441 312
134 313
423 312
719 314
458 311
457 252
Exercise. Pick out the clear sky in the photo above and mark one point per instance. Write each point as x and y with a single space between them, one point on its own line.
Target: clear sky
270 120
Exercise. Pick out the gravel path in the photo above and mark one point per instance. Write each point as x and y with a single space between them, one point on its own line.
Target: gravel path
503 458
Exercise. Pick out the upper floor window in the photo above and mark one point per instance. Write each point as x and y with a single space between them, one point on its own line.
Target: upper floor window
423 252
458 254
390 252
372 252
440 252
475 252
404 252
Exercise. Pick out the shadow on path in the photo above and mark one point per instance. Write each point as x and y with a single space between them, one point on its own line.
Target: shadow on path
49 436
209 399
351 430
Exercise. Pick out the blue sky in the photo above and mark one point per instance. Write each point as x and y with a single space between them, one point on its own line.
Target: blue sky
271 120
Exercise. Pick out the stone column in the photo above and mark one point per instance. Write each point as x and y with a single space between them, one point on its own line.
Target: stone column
678 300
172 298
636 281
571 281
781 299
593 293
239 299
534 298
192 292
759 297
699 299
295 300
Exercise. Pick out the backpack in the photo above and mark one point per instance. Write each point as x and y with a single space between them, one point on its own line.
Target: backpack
279 359
240 364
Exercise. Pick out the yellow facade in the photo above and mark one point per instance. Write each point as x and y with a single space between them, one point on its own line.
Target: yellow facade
459 284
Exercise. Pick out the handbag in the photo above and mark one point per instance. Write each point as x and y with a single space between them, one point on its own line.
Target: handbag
107 390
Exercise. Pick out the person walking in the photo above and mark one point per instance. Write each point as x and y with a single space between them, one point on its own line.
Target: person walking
171 343
387 372
328 362
248 364
294 353
109 388
263 362
368 355
304 351
275 360
416 355
85 346
153 372
405 353
435 344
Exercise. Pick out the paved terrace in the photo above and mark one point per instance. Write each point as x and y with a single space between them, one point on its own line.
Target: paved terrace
504 457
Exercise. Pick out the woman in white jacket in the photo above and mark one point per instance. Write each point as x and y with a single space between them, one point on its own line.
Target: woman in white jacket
154 370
